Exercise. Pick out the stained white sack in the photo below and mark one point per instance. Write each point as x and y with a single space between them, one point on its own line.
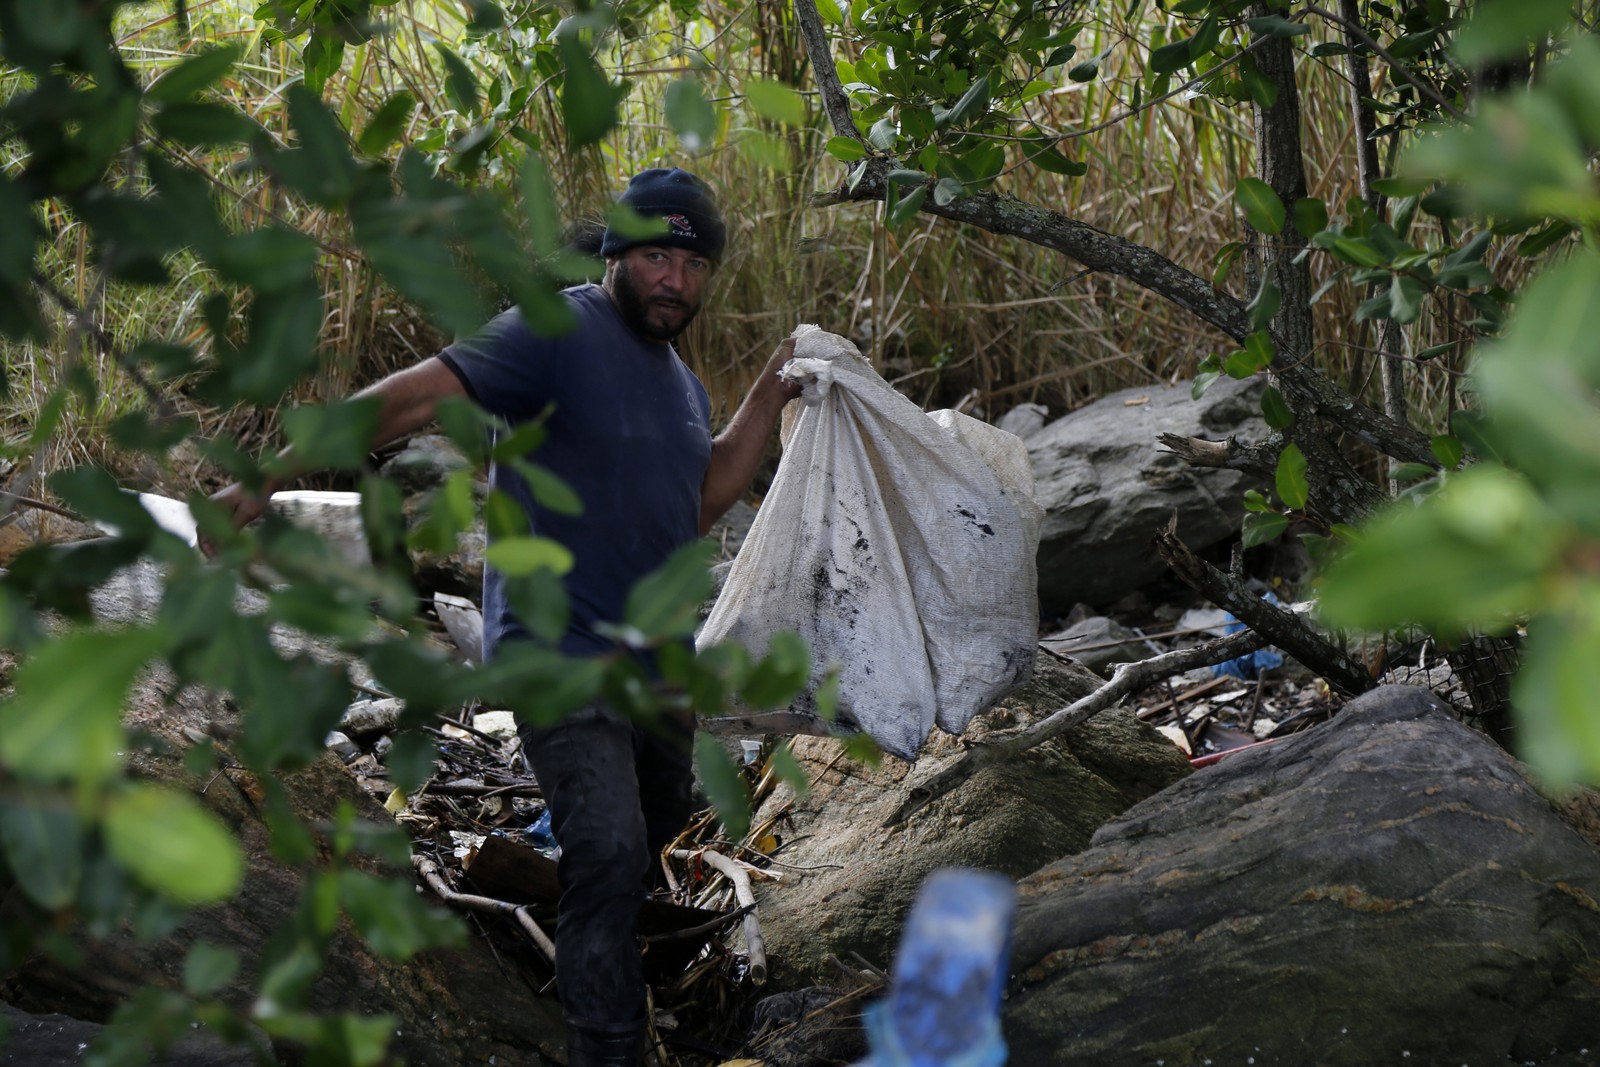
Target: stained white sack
900 544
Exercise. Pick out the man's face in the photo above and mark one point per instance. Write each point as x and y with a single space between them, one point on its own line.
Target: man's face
658 290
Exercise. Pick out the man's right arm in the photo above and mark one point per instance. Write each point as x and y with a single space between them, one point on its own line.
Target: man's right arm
410 398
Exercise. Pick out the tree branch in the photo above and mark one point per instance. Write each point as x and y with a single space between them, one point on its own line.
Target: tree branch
1275 625
1259 459
824 72
1127 678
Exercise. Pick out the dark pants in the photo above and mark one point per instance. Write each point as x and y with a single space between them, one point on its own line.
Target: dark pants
618 793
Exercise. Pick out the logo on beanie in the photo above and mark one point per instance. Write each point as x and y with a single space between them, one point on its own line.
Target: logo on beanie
680 224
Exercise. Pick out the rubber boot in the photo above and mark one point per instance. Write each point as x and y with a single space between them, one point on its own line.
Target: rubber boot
589 1046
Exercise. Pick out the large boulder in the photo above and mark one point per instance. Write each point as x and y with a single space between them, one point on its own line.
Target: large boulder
1387 888
849 882
1106 485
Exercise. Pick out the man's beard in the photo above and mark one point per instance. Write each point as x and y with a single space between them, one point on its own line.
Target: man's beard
636 310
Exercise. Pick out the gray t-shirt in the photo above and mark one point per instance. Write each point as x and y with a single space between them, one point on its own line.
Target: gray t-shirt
630 432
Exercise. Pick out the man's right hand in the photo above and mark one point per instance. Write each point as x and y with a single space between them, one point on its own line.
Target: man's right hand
244 505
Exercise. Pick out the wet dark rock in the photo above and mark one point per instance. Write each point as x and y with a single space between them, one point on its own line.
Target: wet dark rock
1387 888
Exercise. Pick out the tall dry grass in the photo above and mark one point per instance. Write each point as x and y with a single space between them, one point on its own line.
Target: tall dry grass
952 315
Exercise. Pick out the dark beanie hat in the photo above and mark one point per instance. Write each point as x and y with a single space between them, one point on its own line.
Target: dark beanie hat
683 202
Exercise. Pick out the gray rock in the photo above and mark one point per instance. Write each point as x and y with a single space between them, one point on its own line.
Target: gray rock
1024 420
425 463
1387 888
1097 642
341 745
1106 486
728 533
365 718
858 880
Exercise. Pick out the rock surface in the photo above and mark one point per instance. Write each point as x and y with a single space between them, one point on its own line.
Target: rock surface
857 880
1387 888
1106 486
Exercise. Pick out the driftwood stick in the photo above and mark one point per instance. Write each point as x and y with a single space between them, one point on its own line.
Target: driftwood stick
755 945
1127 678
471 902
1277 626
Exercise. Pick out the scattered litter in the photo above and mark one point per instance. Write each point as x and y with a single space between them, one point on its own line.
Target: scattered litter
500 724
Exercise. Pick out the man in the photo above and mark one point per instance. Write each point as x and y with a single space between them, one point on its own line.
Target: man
630 432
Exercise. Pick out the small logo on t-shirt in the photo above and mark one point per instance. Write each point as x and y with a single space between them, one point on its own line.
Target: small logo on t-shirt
681 227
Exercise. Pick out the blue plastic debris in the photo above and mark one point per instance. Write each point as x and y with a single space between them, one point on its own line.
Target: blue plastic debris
1249 666
943 1008
542 837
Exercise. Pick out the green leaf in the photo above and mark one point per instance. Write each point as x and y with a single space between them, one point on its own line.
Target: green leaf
1310 216
691 116
1202 382
1275 410
1264 305
1170 58
948 190
1259 527
517 556
1501 29
549 489
268 259
208 968
1226 257
1447 450
203 124
193 74
1472 555
391 917
883 134
330 170
725 786
1276 26
173 845
540 603
788 769
1553 692
65 721
906 176
460 85
1405 298
780 675
1087 71
1291 477
1261 206
43 841
845 149
830 12
1540 240
336 435
664 602
589 102
975 101
906 208
1048 159
776 101
387 123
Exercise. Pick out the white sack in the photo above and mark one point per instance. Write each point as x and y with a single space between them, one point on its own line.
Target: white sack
900 546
